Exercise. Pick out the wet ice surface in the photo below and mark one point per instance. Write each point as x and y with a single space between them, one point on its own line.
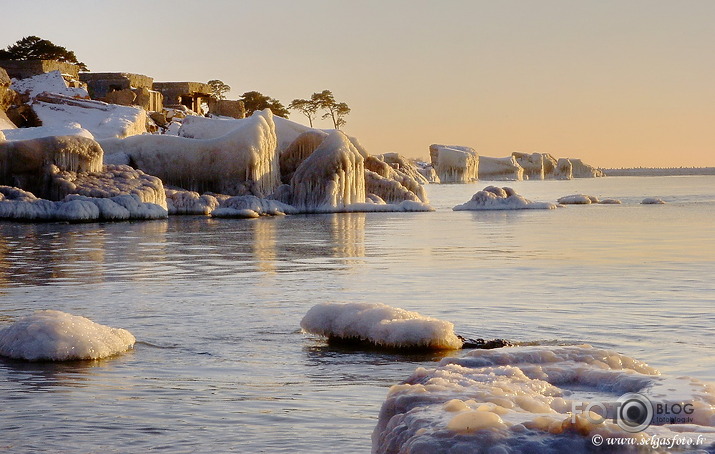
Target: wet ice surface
220 363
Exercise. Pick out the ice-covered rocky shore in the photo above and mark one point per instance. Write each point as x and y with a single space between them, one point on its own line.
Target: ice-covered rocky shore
261 165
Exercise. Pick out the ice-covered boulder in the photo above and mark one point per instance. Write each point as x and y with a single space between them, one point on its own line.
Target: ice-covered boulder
180 201
495 198
244 161
533 164
427 171
380 325
58 336
533 399
580 169
500 169
298 151
110 181
102 120
27 163
331 178
248 206
550 166
455 164
652 201
404 166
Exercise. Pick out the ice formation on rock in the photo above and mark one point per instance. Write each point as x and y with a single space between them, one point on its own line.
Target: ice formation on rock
579 169
331 178
248 206
16 204
380 325
533 164
180 201
243 161
563 170
111 181
550 165
57 336
500 169
577 199
392 185
652 201
102 120
610 202
26 164
293 156
495 198
427 171
455 164
51 82
404 166
528 399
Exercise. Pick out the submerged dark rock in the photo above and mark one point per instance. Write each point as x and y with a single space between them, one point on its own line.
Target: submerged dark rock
484 344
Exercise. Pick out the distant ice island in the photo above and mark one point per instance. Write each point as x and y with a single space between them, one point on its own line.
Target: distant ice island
115 146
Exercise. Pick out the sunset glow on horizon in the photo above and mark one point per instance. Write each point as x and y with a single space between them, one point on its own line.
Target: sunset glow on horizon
617 84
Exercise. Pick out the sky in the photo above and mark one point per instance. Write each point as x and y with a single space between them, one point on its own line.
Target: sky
617 83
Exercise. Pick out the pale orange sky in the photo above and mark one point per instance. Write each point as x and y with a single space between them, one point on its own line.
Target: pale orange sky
616 83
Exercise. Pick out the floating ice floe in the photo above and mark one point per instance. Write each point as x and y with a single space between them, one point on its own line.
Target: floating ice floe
652 201
531 399
578 199
495 198
380 325
57 336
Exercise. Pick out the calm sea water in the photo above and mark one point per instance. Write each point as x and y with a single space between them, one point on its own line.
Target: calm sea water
221 365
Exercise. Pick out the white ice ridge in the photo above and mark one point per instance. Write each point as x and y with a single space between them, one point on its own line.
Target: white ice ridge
59 336
494 198
380 325
523 399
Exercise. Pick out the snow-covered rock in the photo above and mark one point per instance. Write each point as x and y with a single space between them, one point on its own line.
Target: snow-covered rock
380 325
500 169
455 164
38 132
563 170
244 161
495 198
51 82
393 185
404 166
102 120
58 336
180 201
298 151
531 399
331 178
652 201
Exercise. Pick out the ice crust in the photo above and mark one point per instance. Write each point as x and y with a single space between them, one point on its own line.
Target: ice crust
380 325
495 198
519 399
58 336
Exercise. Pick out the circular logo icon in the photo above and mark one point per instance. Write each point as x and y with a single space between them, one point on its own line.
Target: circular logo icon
635 412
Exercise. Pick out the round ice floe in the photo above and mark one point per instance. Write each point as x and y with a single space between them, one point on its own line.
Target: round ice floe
495 198
653 201
58 336
380 325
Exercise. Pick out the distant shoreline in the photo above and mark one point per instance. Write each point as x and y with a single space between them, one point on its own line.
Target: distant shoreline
658 171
